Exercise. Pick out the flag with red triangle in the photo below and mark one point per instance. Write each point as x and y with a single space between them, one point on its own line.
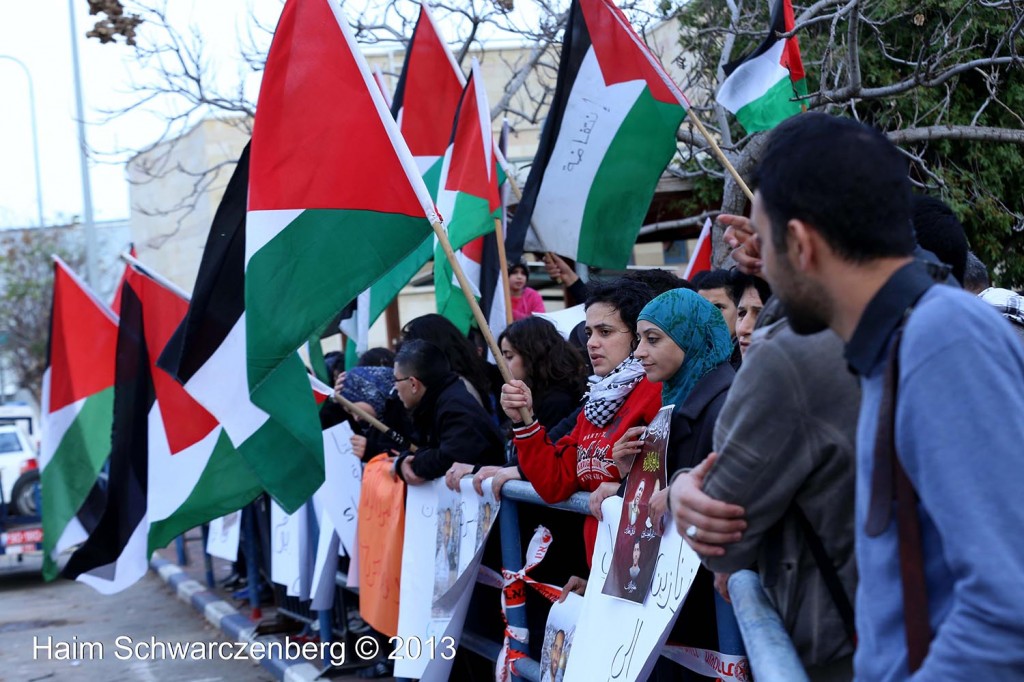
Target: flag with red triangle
700 261
424 105
608 136
77 407
468 198
172 467
333 189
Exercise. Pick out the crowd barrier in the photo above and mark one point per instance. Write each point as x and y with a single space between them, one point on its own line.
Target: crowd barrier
768 648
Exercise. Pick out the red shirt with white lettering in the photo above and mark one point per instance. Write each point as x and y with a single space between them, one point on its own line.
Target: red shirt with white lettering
582 460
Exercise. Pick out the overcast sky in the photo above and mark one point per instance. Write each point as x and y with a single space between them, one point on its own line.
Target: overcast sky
38 34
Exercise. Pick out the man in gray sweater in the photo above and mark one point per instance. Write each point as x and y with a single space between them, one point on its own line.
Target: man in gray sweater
785 444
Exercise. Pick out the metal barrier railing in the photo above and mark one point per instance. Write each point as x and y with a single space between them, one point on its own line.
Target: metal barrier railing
770 652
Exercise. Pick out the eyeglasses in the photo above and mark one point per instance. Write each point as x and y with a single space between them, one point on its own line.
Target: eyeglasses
398 381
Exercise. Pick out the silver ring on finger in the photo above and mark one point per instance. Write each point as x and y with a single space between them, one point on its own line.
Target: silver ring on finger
691 532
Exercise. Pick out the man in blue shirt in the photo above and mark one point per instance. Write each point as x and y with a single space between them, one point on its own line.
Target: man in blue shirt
832 220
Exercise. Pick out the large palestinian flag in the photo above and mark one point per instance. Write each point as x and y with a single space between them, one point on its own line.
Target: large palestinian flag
335 200
207 355
172 466
78 400
424 105
761 88
609 134
468 199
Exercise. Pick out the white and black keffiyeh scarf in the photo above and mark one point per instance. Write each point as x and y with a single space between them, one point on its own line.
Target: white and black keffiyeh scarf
606 396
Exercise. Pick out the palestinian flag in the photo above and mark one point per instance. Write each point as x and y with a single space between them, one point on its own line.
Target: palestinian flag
77 406
333 190
468 199
479 262
424 105
609 134
172 466
700 260
207 353
760 88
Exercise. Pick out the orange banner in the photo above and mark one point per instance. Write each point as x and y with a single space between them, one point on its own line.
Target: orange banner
381 532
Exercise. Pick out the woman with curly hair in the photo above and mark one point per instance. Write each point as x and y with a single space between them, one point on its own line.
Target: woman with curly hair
537 354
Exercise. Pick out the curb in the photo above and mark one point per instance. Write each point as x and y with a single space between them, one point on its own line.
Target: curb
235 626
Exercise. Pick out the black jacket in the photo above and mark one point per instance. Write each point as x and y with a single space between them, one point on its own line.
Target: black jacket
450 426
693 423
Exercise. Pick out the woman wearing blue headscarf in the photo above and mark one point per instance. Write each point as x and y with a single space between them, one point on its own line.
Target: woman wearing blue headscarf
685 344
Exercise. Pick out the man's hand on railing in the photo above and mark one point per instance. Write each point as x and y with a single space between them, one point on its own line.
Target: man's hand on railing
704 522
455 474
603 492
575 584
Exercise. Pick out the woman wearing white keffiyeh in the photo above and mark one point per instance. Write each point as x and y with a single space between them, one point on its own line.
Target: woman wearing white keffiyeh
623 397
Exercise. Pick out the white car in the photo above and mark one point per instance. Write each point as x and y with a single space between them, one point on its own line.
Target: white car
16 458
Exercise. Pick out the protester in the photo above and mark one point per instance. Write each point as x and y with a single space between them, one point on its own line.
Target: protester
719 287
622 398
537 355
462 356
525 301
377 357
976 278
450 425
751 295
684 345
939 232
832 218
785 467
1009 304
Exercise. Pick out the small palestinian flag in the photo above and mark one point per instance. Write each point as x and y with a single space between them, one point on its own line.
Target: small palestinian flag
609 134
78 408
761 88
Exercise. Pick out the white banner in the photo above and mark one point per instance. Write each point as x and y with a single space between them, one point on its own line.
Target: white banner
342 483
440 560
291 557
629 650
222 540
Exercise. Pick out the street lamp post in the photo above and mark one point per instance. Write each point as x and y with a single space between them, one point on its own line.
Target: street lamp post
35 133
83 158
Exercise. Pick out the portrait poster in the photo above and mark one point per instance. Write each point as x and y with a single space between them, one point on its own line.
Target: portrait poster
222 540
558 637
440 532
381 535
628 651
638 537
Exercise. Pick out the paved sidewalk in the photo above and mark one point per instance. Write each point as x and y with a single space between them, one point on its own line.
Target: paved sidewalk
82 629
284 661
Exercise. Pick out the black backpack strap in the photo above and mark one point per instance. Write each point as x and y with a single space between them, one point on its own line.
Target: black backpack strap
829 573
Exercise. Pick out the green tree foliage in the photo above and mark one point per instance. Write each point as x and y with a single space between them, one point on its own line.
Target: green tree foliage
944 78
26 292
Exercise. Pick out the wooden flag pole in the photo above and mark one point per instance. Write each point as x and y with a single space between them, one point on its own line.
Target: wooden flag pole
719 153
499 235
478 314
367 417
